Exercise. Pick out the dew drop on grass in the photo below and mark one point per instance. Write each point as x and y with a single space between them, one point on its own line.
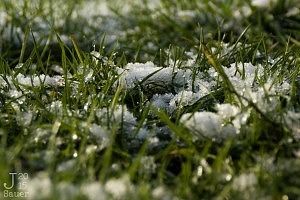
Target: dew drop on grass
91 149
19 66
75 154
94 45
115 167
199 171
153 140
74 137
285 197
228 177
56 127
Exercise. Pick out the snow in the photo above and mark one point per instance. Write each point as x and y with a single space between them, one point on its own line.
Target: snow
33 80
162 101
118 187
162 193
207 125
86 72
66 191
66 166
246 79
172 87
227 111
148 165
185 98
118 115
94 191
243 75
293 12
124 120
243 12
162 80
233 114
227 122
148 74
186 15
292 120
3 16
39 187
245 181
101 135
91 9
56 107
262 3
25 118
38 80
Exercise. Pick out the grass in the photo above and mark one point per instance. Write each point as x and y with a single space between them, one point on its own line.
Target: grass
83 123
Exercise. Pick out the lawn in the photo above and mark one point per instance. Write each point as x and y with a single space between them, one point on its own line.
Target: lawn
141 99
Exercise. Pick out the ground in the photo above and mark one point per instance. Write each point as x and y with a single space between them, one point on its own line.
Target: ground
150 99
